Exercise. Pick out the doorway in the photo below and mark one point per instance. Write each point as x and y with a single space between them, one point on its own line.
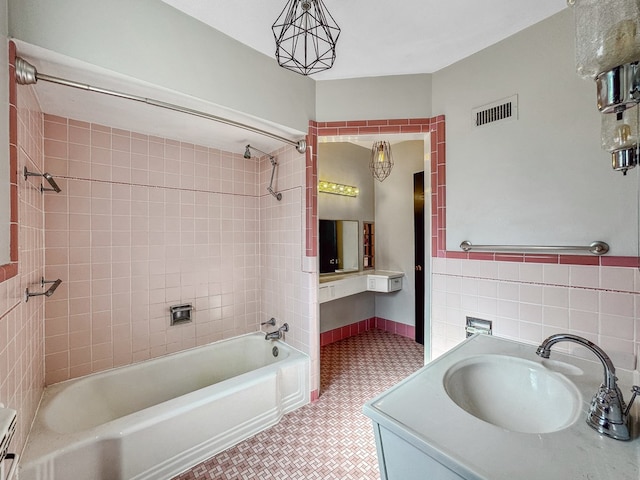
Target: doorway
418 235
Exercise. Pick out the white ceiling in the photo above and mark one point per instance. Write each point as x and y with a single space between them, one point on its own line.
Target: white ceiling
383 37
378 38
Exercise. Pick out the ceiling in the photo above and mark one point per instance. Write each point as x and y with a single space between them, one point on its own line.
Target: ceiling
382 37
377 38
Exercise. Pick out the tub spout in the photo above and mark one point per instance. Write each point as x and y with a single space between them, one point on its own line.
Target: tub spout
278 334
607 413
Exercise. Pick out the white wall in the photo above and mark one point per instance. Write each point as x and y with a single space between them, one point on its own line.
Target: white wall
347 310
5 200
151 41
542 179
395 232
396 96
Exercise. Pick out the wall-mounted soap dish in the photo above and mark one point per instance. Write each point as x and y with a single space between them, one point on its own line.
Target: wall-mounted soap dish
180 314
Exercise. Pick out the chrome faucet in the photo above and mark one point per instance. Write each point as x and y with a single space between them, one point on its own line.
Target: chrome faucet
607 413
278 334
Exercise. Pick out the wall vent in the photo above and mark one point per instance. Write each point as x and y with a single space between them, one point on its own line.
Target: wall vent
499 111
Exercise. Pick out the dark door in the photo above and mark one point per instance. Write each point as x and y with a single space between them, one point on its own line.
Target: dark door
328 246
418 229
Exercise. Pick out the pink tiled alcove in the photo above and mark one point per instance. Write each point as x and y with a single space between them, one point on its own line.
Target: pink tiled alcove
145 222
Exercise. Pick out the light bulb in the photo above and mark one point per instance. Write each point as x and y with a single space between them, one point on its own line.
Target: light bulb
620 130
622 136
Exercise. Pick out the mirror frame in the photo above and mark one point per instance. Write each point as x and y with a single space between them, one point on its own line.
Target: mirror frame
10 270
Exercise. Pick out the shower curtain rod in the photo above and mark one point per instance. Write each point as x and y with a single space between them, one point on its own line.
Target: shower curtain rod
26 74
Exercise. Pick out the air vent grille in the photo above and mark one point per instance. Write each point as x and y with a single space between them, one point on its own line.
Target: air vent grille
499 111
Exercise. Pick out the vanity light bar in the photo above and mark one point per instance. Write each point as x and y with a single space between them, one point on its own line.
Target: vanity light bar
337 189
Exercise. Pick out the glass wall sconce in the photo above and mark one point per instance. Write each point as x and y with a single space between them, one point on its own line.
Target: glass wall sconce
608 51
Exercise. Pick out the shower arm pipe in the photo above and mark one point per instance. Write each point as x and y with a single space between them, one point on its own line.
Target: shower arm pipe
26 74
274 163
278 195
596 248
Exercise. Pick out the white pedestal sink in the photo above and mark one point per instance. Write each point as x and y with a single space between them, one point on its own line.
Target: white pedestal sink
491 409
513 393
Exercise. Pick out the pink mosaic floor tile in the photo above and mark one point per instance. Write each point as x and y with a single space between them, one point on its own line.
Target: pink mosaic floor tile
331 438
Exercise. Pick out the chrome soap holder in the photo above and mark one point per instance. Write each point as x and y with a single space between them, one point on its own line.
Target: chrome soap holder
180 314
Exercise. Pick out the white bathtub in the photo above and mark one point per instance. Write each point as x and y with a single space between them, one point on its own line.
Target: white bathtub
155 419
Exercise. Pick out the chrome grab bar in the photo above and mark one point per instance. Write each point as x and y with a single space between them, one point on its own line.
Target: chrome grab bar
48 177
596 248
48 292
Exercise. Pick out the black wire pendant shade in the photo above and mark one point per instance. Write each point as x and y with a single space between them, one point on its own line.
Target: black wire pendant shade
306 35
381 161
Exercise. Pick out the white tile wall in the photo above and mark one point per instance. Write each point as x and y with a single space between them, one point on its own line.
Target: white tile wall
529 302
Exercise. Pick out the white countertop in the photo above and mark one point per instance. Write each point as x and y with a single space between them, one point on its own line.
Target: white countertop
335 277
419 411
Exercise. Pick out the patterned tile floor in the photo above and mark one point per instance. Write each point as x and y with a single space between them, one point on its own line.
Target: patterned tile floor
330 438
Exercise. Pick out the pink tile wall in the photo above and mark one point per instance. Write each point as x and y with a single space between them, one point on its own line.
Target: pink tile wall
287 288
530 301
347 331
366 127
144 223
21 333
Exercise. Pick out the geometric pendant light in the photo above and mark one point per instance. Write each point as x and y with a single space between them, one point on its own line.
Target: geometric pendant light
306 35
381 161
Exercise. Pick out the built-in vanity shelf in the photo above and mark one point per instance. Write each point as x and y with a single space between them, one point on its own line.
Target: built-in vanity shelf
342 285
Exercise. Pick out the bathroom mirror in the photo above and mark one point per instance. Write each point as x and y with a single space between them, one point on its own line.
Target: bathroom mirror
338 242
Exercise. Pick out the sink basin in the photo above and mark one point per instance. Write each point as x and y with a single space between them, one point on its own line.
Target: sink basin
513 393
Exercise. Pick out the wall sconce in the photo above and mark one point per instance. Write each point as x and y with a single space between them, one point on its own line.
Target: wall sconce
608 50
337 189
381 161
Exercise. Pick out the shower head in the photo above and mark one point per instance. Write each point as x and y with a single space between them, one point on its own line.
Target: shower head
247 152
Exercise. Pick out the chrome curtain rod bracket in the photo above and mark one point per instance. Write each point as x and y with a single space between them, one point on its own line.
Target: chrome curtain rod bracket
47 177
26 74
595 248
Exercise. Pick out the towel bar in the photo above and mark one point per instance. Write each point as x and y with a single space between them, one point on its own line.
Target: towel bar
48 178
48 292
596 248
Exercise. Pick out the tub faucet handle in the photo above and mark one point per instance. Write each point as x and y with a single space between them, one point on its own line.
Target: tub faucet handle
271 321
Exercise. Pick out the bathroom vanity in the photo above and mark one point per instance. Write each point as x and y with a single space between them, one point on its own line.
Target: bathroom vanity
491 409
342 285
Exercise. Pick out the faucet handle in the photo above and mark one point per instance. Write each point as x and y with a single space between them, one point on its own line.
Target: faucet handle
635 390
271 321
